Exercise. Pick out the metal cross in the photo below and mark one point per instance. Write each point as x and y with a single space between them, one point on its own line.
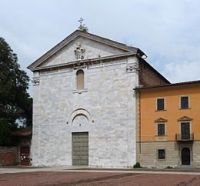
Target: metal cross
81 21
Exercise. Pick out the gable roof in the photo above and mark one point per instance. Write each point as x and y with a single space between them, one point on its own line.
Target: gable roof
79 33
155 71
180 84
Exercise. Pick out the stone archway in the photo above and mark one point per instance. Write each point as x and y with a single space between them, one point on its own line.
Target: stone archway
80 120
79 114
185 156
80 141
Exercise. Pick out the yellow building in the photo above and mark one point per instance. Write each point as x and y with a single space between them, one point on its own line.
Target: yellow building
168 133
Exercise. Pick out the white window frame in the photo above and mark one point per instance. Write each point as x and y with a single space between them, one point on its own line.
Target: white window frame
157 128
157 103
190 123
188 102
158 155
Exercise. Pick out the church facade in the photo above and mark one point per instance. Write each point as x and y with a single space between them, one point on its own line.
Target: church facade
84 102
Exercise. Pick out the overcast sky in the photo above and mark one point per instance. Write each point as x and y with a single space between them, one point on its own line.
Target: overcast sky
168 31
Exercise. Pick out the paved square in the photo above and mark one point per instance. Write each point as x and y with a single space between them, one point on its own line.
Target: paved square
85 178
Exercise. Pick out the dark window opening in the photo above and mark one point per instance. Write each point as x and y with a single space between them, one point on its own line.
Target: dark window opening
160 104
161 129
184 102
185 130
161 154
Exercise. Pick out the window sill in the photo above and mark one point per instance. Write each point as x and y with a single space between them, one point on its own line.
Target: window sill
160 110
80 91
163 159
184 108
161 136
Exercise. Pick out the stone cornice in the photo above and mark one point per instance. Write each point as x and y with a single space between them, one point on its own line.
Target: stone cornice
86 61
160 120
185 118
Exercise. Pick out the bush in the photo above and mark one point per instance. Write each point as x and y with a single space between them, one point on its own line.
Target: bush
137 165
169 167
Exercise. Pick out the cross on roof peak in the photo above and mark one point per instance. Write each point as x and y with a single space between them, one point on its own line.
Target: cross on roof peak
82 26
81 21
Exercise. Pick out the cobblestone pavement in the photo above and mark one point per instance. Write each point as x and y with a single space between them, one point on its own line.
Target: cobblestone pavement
97 178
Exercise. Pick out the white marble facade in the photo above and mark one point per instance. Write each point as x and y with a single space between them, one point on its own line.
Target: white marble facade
105 108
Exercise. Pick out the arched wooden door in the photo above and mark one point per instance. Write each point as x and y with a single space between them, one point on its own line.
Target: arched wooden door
185 156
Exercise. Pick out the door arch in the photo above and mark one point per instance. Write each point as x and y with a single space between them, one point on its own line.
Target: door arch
185 156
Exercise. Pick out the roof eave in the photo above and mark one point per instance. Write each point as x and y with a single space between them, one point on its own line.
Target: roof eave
186 83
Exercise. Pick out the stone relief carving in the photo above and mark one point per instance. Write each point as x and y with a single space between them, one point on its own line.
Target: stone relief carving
132 67
79 52
36 81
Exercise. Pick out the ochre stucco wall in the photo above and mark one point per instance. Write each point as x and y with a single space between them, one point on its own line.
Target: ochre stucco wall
148 112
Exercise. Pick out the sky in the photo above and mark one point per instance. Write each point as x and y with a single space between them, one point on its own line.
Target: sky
168 31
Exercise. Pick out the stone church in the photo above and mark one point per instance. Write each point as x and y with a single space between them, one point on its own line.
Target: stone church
84 102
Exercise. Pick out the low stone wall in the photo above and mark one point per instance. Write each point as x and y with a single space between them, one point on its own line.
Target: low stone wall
149 158
196 154
147 154
8 156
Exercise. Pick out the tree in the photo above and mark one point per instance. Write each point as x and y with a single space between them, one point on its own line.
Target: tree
15 102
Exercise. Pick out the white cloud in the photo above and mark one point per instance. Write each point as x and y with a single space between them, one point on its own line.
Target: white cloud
184 71
167 31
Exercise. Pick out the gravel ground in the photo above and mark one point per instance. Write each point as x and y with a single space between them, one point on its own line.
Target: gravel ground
97 178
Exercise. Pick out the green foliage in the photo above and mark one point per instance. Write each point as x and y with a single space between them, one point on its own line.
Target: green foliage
5 133
15 102
137 165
